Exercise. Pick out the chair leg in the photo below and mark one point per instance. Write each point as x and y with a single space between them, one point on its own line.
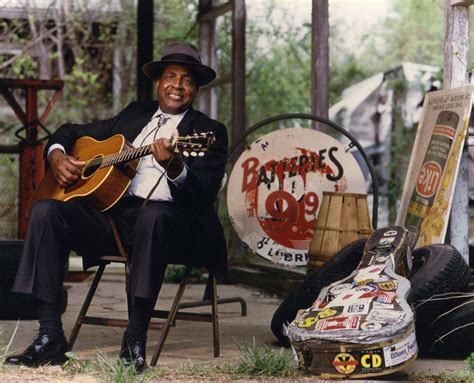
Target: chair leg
172 313
215 318
85 306
128 268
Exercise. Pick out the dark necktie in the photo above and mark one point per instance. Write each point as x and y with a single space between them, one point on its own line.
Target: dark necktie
162 119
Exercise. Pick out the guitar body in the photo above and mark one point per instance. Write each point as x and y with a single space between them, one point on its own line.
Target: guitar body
98 187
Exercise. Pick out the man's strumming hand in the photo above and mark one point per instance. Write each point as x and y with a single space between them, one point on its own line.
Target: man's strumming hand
66 169
164 154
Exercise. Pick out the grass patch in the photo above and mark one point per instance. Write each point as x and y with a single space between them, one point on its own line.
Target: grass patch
108 369
446 377
263 360
5 348
470 361
255 361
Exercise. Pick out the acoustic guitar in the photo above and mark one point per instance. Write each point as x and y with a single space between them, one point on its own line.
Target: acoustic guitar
110 166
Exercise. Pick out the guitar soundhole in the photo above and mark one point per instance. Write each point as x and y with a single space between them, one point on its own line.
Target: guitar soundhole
92 167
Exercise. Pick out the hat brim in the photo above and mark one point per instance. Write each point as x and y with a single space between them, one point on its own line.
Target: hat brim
202 73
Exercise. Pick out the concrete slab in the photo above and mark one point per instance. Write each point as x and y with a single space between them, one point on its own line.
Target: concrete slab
188 342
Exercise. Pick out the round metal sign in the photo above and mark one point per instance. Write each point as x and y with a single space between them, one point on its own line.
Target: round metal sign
276 187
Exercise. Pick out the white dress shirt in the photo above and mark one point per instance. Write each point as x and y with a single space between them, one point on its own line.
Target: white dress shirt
149 171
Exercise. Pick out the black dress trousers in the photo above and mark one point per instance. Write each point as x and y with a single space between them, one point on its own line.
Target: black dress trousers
162 234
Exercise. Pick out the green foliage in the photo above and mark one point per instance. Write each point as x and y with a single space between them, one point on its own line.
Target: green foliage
470 361
174 21
344 73
262 360
108 369
24 67
75 365
412 32
9 165
82 88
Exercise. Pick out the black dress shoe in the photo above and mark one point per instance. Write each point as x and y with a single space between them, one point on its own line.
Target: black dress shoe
45 349
133 352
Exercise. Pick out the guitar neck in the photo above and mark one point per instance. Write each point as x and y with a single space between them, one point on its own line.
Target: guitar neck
194 145
126 155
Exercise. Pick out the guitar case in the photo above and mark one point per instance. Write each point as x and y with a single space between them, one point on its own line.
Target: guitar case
363 325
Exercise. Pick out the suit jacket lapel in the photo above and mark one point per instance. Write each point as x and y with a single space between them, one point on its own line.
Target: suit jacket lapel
142 120
184 126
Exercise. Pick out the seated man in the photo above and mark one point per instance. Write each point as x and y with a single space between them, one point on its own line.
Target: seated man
178 224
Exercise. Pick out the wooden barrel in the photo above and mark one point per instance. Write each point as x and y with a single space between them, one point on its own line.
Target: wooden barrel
343 218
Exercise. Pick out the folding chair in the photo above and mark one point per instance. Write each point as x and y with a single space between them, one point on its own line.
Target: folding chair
174 313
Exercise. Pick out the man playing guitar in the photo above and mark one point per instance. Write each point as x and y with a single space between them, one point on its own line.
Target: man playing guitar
178 224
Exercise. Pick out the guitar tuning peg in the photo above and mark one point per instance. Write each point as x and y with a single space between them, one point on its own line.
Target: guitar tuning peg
201 154
185 153
193 154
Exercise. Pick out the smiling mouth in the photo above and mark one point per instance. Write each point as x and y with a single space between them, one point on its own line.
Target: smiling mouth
175 97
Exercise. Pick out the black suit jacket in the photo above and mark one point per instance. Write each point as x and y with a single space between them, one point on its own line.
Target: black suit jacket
199 191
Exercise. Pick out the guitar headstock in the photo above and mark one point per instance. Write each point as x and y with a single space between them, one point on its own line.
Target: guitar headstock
194 145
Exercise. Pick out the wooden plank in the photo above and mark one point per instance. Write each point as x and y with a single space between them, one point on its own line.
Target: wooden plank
465 3
238 70
144 48
216 11
207 45
365 226
349 221
320 59
456 59
221 80
32 83
331 234
317 240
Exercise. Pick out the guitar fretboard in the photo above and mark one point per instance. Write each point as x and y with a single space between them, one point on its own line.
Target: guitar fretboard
194 144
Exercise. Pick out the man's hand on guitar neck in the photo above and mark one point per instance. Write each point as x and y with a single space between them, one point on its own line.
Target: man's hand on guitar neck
164 154
66 169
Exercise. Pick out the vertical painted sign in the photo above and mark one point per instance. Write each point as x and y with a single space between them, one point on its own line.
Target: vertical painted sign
429 186
275 190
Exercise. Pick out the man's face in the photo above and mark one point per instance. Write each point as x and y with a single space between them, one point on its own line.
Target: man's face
176 89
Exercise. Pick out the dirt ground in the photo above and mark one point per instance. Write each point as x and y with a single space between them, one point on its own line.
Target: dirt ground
188 344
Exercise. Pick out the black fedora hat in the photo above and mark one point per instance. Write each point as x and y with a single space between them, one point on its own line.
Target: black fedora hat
185 54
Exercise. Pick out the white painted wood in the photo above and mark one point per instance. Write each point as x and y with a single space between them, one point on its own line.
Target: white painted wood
456 55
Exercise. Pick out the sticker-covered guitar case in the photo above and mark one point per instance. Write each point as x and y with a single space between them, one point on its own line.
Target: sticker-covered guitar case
362 325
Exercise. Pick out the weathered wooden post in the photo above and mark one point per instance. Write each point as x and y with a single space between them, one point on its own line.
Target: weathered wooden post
320 58
456 58
145 19
238 69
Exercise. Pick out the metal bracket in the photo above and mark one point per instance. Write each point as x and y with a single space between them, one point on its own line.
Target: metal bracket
36 123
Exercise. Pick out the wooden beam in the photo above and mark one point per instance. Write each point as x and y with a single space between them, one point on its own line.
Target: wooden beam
144 48
207 47
214 12
456 58
221 80
238 70
320 59
465 3
32 83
